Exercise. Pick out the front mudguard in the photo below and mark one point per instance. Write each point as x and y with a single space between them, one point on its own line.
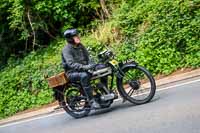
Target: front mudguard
124 66
120 75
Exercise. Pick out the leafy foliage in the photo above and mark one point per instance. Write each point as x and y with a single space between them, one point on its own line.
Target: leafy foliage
28 25
23 84
162 35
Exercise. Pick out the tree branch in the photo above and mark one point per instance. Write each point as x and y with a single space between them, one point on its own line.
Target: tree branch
29 19
52 36
103 6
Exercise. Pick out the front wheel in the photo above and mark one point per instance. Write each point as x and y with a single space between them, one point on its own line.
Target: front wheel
137 84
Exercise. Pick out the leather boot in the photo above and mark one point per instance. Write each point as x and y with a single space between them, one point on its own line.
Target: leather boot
89 95
94 104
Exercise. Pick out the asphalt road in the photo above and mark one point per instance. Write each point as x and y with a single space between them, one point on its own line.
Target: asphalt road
175 109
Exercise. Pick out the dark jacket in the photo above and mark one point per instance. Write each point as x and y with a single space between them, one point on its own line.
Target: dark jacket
74 57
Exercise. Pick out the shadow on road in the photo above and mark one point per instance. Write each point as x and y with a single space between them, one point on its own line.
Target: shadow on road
119 106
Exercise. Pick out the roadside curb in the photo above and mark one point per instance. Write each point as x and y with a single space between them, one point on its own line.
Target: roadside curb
49 110
178 77
19 117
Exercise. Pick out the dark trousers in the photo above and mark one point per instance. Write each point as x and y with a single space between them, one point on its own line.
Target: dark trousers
84 79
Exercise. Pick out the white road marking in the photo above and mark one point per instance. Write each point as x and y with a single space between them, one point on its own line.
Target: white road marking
173 86
169 87
31 119
50 115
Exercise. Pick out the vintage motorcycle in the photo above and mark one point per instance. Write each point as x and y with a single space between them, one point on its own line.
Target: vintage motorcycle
133 83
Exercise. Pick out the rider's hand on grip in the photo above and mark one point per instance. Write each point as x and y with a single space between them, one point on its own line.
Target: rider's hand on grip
89 67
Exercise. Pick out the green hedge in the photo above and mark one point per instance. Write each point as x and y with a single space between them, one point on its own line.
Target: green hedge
162 35
23 84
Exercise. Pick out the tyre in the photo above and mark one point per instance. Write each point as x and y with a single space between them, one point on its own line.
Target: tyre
74 102
137 84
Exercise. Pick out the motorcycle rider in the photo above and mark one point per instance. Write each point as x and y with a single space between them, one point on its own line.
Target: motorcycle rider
76 62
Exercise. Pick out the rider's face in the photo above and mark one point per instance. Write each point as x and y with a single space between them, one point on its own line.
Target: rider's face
77 39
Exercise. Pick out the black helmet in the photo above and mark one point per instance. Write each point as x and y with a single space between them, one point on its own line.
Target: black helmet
70 33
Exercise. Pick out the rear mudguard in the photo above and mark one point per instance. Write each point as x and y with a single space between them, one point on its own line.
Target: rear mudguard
58 92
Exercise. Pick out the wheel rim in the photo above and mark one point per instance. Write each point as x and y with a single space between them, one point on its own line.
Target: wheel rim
76 102
136 84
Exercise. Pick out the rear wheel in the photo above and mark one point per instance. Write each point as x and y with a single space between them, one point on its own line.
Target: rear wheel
137 85
75 103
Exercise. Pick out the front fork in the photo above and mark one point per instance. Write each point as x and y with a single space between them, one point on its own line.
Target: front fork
120 74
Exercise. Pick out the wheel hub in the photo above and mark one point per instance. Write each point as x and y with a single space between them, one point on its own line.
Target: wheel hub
77 103
135 85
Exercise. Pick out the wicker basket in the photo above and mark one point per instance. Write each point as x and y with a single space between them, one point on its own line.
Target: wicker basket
57 80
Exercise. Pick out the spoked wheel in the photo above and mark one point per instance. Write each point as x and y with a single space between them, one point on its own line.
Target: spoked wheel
137 85
75 103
